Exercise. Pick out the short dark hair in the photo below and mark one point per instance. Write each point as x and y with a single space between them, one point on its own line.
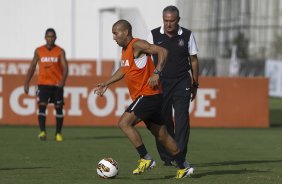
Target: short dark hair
172 9
125 25
50 30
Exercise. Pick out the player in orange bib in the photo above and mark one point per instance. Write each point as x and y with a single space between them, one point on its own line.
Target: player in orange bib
53 72
142 79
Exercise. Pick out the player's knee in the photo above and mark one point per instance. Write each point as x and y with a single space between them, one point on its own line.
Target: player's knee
122 125
161 139
59 111
162 134
42 104
42 110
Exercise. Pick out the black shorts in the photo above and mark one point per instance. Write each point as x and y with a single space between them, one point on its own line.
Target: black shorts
148 109
50 94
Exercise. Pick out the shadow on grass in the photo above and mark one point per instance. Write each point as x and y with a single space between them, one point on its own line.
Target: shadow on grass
97 137
208 173
223 172
22 168
236 163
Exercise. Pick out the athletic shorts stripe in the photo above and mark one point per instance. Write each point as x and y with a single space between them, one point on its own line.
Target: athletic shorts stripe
139 98
147 108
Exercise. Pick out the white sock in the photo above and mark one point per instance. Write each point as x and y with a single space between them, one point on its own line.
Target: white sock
148 157
186 164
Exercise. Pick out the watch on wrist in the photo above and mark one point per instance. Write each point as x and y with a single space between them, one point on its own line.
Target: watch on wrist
156 71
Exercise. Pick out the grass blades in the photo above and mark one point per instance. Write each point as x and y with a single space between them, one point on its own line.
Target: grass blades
218 156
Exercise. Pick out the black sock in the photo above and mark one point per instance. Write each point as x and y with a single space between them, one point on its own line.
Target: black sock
42 117
59 120
142 151
179 160
59 124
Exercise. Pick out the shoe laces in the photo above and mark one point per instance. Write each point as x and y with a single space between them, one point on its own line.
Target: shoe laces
181 172
142 164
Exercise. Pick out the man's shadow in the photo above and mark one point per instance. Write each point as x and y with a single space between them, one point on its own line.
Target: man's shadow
199 173
223 172
97 137
235 163
237 171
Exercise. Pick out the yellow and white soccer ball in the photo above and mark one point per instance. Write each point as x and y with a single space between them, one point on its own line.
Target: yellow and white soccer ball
107 168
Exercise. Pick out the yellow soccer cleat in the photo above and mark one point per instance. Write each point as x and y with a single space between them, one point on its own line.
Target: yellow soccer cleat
42 136
183 173
144 165
59 137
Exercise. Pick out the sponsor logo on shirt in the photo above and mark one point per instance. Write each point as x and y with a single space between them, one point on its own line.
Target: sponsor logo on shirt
124 63
49 59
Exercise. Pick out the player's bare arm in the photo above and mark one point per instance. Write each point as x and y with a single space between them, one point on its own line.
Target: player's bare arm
195 69
101 88
30 71
65 69
143 47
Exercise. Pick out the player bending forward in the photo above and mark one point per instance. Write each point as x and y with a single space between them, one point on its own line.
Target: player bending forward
142 80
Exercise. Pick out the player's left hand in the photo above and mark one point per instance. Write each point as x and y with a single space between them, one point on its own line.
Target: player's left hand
193 92
153 81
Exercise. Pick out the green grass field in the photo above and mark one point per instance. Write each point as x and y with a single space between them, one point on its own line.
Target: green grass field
219 156
275 111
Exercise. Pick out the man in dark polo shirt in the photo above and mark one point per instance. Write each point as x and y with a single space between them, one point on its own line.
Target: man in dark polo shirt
179 78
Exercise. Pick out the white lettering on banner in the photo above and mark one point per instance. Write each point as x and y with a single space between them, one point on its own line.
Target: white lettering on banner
122 101
13 68
22 68
29 104
95 110
115 102
80 69
2 68
75 93
1 100
204 108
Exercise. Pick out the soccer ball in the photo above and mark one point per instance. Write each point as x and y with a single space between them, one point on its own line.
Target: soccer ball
107 168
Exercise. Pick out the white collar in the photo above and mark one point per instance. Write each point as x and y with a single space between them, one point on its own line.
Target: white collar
179 32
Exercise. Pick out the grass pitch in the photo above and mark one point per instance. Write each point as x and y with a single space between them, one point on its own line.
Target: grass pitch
275 111
219 156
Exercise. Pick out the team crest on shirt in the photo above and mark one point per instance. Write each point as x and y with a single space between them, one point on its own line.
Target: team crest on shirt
180 42
124 63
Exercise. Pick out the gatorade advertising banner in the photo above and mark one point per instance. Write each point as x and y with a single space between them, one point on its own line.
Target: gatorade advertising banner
220 101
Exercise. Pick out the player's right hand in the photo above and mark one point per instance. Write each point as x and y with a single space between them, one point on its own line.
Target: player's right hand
26 89
100 89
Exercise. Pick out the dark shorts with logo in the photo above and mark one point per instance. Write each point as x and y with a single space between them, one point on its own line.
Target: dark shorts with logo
148 109
50 94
